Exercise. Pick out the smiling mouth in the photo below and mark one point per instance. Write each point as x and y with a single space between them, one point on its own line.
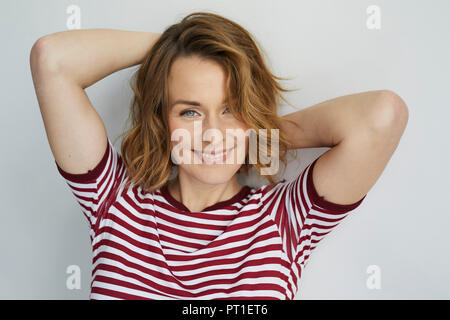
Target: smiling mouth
213 155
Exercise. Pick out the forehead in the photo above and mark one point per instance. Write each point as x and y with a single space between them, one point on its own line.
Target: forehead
195 78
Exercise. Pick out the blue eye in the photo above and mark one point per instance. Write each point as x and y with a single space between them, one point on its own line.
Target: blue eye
187 111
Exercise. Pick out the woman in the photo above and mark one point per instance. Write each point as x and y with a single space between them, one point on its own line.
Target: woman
202 235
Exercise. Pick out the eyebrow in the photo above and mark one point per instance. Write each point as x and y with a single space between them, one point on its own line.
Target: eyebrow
192 103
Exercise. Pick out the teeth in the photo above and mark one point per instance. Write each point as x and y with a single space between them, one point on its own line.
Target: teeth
212 156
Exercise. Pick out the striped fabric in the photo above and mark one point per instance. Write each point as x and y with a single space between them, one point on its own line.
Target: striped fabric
150 246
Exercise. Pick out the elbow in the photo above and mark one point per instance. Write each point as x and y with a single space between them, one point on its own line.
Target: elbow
42 56
389 111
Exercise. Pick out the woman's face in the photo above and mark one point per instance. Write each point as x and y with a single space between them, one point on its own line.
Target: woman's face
199 118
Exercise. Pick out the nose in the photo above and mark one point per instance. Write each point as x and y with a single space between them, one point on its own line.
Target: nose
212 125
213 122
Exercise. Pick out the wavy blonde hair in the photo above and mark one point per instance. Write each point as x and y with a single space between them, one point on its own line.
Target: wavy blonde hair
252 90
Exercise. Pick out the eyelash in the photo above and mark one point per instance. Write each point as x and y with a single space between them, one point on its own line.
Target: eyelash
186 111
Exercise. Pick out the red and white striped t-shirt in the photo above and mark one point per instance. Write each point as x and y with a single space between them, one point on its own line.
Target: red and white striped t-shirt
150 246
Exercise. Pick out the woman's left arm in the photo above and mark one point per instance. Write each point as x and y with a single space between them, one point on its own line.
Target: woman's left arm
362 130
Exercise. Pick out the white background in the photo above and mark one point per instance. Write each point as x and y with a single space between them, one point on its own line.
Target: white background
325 46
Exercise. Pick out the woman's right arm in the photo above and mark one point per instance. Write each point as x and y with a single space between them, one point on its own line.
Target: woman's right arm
62 65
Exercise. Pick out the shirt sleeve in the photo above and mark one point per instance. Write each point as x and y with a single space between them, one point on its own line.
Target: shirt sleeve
302 216
95 190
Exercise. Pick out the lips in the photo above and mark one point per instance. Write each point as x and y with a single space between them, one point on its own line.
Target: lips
214 152
217 154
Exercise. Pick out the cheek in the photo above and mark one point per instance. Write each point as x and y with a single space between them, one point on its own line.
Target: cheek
180 134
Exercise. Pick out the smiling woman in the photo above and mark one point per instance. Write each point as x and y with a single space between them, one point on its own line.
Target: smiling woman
200 235
209 69
204 80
